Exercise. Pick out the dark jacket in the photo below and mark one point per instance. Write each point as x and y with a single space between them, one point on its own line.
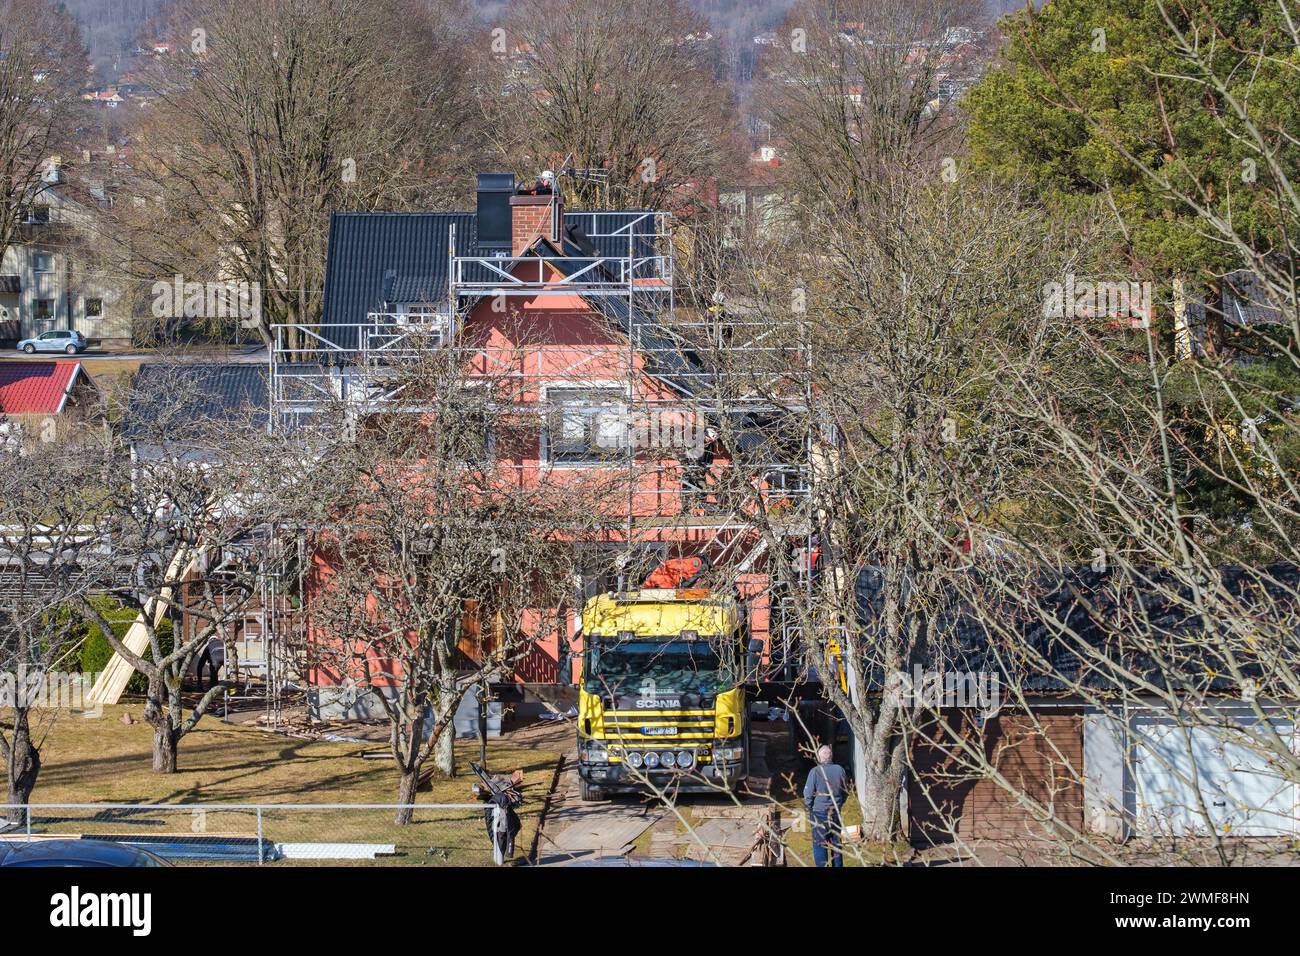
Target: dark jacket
826 788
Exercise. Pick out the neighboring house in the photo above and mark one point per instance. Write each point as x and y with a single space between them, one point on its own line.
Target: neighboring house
108 96
194 394
44 401
1241 303
1245 303
47 280
1085 739
568 304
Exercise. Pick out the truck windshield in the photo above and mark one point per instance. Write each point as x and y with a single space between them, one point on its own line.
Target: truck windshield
657 666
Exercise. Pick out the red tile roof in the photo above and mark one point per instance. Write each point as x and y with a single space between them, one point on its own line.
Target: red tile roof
36 388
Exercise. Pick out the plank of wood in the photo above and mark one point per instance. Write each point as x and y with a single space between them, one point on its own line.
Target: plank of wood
334 851
718 832
599 832
117 672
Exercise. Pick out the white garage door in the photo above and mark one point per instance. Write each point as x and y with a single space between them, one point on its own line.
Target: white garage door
1191 779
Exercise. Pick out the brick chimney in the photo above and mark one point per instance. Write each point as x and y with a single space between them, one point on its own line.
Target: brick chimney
538 211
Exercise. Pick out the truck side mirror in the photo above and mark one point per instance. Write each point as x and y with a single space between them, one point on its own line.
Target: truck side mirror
753 659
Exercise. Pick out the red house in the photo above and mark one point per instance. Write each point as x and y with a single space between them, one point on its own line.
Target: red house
44 401
577 308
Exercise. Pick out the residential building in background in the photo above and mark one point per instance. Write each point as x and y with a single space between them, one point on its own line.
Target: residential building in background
49 278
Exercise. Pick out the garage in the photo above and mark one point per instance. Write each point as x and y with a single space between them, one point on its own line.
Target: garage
1192 779
1181 780
1039 756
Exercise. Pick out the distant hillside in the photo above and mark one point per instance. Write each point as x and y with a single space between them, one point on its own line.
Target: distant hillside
110 27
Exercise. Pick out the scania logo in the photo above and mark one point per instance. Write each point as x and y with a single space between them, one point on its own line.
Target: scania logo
642 702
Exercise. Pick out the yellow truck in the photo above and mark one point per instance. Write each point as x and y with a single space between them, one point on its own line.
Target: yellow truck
662 699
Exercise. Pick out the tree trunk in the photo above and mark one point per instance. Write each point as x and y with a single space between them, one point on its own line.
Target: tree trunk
406 795
880 822
1184 334
482 726
24 760
444 751
165 740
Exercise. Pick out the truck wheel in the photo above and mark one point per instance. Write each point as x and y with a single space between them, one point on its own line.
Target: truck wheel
589 793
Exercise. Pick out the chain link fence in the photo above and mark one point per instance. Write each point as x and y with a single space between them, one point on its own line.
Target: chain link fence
270 834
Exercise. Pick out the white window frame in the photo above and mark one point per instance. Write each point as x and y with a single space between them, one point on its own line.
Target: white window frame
489 433
420 313
624 403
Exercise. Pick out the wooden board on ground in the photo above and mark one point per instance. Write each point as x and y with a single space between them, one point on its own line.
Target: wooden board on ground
600 832
717 833
702 812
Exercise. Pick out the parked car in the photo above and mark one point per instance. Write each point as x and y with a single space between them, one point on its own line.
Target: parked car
58 340
74 853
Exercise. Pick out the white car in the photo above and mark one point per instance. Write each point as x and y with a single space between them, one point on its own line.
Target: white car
58 340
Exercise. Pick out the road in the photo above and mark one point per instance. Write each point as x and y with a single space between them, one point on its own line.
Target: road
700 828
252 354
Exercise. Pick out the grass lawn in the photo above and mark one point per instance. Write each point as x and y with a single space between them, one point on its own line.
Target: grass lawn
103 370
106 761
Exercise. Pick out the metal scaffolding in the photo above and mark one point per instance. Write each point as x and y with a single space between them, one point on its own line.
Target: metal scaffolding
709 368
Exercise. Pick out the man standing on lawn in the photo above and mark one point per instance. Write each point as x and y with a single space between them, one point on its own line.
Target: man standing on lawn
823 797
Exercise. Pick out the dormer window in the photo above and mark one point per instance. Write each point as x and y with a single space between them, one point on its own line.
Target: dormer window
435 320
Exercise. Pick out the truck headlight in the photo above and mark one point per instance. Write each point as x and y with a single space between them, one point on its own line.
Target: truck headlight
731 753
667 759
597 755
652 759
685 758
634 760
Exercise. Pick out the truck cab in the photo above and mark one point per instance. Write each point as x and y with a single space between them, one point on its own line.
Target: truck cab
661 698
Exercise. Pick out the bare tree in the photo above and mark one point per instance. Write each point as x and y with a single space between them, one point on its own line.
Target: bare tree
49 558
621 91
436 562
42 67
271 117
185 503
851 90
909 316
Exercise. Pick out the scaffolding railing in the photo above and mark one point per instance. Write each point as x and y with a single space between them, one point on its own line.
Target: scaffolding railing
394 337
477 276
709 364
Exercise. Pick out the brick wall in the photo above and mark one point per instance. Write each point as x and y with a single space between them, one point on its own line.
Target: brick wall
529 217
1041 756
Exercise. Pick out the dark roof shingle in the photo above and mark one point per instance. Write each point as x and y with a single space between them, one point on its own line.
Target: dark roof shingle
197 393
1084 628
